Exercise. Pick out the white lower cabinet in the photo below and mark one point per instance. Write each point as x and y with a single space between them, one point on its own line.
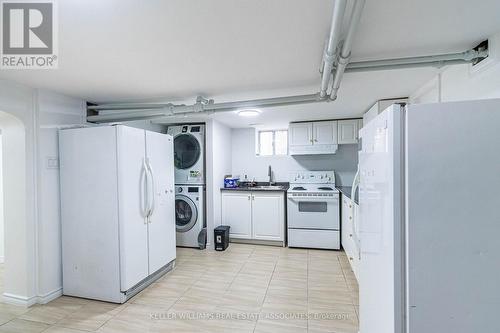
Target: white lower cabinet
268 219
350 213
254 215
237 213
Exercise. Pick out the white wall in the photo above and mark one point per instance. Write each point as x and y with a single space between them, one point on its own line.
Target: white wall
2 243
29 119
17 124
218 163
244 161
464 82
54 111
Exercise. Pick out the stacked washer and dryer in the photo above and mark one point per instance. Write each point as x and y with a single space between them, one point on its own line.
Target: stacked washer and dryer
189 162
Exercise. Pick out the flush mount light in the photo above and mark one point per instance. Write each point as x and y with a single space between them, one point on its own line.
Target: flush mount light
248 113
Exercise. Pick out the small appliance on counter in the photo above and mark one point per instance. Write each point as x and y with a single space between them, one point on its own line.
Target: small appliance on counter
230 181
221 237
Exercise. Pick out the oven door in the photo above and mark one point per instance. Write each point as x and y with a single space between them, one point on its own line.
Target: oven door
320 212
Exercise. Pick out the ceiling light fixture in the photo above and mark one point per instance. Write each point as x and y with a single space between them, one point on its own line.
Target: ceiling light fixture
249 113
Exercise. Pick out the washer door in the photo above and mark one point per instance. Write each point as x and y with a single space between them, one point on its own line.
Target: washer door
187 151
186 213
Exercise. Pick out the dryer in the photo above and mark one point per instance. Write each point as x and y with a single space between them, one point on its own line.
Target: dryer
189 214
189 153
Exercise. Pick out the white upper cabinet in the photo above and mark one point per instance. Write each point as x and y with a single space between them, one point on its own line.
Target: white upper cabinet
325 132
348 131
318 137
300 134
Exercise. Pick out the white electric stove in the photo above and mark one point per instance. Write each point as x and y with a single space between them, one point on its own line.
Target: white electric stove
313 210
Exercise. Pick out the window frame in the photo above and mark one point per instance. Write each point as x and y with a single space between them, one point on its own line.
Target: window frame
273 131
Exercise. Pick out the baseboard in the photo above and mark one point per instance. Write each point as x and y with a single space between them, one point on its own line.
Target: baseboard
29 301
257 242
50 296
19 300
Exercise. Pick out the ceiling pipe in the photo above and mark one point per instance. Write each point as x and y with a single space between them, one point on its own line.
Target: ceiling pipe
126 106
331 47
422 61
134 111
340 62
345 51
125 112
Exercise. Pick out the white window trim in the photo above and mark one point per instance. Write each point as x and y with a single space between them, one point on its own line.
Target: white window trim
273 131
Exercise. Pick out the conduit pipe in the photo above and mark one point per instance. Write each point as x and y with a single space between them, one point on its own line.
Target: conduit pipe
422 61
135 111
331 47
124 112
345 52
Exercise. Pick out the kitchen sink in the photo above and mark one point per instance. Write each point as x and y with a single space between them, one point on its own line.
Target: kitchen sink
268 187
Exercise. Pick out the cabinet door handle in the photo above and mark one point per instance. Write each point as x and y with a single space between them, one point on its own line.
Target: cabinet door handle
350 217
248 197
351 258
350 235
253 197
315 140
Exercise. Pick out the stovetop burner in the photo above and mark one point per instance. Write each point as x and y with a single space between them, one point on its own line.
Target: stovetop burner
325 188
298 188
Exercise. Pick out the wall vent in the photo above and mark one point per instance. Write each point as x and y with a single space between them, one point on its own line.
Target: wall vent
483 46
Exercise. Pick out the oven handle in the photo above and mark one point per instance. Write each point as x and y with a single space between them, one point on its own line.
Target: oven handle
316 199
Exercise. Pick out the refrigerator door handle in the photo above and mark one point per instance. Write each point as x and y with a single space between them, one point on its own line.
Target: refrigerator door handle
355 185
151 202
144 191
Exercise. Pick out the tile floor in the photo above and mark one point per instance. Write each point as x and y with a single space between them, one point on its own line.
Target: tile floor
247 288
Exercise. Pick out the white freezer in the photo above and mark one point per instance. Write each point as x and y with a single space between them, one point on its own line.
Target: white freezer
429 219
118 222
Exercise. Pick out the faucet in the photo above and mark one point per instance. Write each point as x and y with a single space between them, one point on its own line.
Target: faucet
270 174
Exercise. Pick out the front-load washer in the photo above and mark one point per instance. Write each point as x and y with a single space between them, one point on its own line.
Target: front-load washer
189 153
189 214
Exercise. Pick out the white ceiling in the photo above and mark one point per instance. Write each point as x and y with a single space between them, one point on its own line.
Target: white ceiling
129 50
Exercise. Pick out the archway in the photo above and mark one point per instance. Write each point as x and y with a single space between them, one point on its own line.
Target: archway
18 282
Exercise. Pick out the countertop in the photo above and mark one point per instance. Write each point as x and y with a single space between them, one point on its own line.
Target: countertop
284 188
346 190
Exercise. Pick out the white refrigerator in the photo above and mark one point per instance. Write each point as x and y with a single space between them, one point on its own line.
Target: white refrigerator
117 209
429 198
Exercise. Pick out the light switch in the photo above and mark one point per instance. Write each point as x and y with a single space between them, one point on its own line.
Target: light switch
52 162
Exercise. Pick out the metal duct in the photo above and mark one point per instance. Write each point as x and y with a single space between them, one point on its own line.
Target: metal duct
345 52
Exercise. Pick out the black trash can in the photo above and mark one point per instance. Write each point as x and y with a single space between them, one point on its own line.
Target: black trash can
221 237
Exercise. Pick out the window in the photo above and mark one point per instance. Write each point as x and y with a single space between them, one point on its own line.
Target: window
272 143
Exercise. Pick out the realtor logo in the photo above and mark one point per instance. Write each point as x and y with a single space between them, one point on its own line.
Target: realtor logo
28 35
